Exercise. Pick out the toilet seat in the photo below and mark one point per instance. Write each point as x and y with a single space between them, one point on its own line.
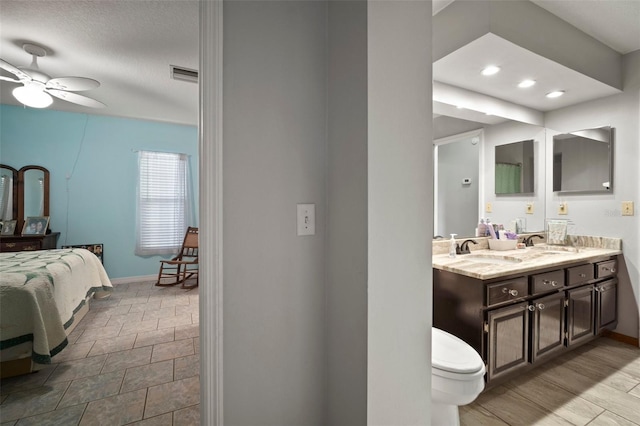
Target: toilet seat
453 358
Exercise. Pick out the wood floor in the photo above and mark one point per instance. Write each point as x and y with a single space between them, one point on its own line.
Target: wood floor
134 360
597 384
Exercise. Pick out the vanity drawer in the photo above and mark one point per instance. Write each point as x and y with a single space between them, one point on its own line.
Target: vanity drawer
579 274
505 291
606 269
19 246
548 281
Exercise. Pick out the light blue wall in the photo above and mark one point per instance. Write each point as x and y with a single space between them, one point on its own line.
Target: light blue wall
100 167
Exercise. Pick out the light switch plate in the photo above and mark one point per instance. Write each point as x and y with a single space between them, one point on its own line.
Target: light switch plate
627 208
563 208
489 208
529 208
306 219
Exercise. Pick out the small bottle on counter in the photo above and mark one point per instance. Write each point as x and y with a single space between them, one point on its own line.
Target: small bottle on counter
453 246
481 230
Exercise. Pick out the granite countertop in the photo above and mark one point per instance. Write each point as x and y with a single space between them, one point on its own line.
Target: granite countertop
487 264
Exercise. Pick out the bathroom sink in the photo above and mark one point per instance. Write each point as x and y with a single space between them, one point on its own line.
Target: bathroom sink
491 260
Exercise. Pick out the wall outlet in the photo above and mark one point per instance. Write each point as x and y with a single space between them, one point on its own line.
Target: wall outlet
488 208
529 208
563 208
627 208
306 219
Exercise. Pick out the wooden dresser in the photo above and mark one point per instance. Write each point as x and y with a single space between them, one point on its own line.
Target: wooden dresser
10 243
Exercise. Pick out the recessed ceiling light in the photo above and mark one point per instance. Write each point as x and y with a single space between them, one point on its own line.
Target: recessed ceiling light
555 94
490 70
526 83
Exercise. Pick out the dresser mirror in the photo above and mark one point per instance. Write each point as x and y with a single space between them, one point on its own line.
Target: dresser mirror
8 193
583 161
23 193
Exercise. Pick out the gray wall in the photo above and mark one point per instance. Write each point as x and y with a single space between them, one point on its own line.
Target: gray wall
600 215
275 156
347 215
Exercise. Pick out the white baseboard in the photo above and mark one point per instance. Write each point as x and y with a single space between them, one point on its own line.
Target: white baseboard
139 279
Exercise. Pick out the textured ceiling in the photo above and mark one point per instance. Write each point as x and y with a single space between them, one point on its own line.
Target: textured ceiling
128 46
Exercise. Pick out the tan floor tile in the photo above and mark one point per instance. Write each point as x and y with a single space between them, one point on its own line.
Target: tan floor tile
160 313
635 391
115 410
174 301
92 388
110 310
174 321
172 350
61 417
149 306
187 416
475 415
147 375
188 366
609 419
77 369
139 327
134 300
154 337
196 344
127 359
71 352
163 420
114 344
91 334
172 396
32 402
26 382
195 318
187 331
125 318
93 320
187 309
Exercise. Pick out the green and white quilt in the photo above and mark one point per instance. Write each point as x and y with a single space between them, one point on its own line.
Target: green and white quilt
40 291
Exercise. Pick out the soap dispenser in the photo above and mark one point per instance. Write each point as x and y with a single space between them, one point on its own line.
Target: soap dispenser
453 246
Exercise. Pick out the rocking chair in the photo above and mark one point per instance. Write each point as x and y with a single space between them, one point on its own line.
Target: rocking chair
182 267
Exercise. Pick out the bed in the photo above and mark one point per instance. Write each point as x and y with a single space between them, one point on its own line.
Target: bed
43 295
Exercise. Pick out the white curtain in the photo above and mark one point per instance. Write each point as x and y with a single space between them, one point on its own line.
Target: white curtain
6 197
164 204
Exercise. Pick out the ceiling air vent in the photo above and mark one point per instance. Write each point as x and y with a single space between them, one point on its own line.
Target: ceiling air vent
184 74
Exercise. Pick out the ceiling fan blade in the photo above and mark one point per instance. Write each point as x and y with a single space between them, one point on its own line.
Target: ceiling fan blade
72 83
13 80
14 70
75 98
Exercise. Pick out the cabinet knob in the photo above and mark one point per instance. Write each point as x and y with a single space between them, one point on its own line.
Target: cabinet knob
511 292
10 245
541 306
532 308
613 270
583 275
552 283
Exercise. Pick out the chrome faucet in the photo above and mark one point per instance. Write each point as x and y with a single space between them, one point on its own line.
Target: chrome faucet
527 241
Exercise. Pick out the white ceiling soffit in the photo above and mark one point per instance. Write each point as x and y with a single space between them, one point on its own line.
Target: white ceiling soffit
447 110
615 23
126 45
462 68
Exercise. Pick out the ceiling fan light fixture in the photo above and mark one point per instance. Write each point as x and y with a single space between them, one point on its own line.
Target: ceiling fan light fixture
526 83
490 70
555 94
32 96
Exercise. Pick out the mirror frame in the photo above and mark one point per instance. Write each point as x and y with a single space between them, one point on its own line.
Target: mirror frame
15 189
45 206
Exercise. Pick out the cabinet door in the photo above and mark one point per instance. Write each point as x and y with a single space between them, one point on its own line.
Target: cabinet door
606 305
547 328
508 339
580 318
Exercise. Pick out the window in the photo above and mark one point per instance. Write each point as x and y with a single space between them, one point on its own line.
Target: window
163 202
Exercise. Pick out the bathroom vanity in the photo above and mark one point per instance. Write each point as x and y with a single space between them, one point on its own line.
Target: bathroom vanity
519 308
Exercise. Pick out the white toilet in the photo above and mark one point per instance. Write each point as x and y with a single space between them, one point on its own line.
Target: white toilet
457 377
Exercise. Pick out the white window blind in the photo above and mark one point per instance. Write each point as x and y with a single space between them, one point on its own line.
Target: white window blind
163 202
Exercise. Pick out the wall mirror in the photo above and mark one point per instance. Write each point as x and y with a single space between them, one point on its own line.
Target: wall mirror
583 161
33 193
8 192
514 168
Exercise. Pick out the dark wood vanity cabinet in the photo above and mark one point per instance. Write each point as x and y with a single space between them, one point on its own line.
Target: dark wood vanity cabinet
516 322
12 243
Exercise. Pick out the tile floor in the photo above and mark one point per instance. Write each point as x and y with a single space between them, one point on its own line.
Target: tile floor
597 384
133 359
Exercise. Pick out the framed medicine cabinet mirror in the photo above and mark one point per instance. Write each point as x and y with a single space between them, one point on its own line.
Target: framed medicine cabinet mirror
583 161
514 168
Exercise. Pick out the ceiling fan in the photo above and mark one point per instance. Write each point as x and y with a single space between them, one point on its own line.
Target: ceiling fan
38 87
